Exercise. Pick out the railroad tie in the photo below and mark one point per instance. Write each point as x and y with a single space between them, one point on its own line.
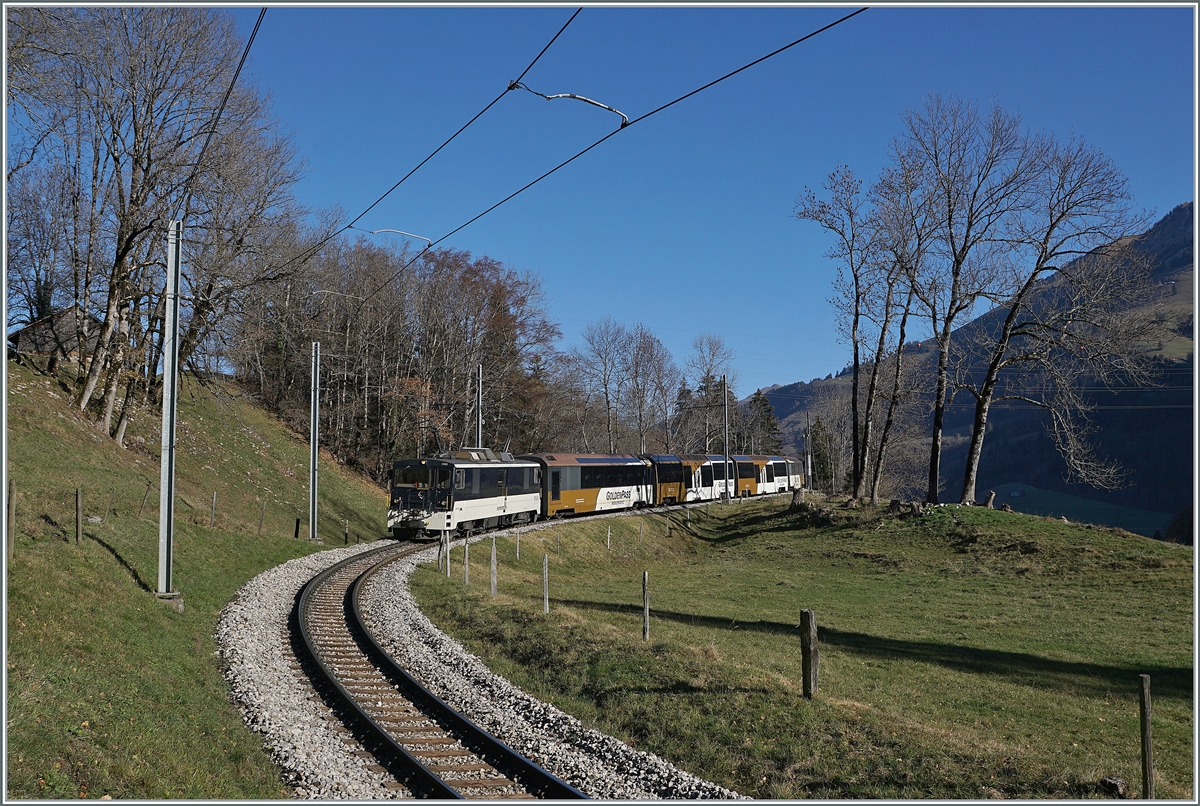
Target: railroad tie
478 783
440 768
428 740
443 754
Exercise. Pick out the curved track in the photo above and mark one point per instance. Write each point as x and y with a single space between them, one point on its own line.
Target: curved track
422 743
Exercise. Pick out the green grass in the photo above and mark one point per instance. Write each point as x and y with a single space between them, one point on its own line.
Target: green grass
967 651
1035 501
111 691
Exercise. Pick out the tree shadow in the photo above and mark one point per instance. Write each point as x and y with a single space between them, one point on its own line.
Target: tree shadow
124 564
1022 668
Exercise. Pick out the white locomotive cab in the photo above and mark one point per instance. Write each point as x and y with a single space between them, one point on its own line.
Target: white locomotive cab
452 494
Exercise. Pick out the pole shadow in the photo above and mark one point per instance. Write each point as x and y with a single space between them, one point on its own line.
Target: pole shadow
124 564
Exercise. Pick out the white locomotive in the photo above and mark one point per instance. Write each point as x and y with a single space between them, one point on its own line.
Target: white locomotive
462 491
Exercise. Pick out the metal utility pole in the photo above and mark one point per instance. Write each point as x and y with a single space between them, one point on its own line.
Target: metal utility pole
807 452
479 408
314 413
166 482
725 407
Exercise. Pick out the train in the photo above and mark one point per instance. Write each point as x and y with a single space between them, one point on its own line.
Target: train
461 492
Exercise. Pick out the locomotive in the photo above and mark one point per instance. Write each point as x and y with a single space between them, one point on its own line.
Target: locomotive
471 489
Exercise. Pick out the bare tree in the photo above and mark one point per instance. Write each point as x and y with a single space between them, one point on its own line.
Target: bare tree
601 362
122 100
975 173
651 378
844 217
710 359
37 242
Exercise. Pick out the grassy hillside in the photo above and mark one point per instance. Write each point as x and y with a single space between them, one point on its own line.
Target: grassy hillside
1034 501
965 654
109 690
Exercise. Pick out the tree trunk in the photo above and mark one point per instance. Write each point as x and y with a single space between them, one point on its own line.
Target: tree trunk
939 416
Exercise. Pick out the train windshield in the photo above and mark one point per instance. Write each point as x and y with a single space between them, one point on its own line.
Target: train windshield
410 488
413 477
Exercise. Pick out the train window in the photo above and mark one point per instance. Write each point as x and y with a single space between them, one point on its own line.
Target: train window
459 481
443 478
501 475
706 475
745 470
537 477
719 472
413 477
780 469
587 478
474 480
770 473
555 476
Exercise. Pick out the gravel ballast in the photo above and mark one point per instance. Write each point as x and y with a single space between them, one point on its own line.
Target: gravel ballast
273 697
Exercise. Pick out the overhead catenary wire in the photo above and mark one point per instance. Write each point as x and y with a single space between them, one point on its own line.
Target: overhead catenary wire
623 127
312 250
187 187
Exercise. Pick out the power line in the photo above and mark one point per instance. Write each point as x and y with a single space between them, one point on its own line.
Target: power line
187 195
606 137
512 85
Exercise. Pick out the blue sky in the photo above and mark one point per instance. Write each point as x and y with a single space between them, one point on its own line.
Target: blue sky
684 222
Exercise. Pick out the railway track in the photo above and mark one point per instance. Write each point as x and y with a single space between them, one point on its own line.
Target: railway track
420 742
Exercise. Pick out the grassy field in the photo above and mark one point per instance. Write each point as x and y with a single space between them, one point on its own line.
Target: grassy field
969 653
109 690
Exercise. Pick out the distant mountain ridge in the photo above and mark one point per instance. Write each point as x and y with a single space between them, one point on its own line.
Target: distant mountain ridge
1149 430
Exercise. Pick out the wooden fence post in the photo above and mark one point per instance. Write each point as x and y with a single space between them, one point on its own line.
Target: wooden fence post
810 658
212 518
346 540
640 525
78 515
466 563
545 583
447 555
518 542
145 498
262 515
1147 751
493 568
645 605
112 496
296 534
609 541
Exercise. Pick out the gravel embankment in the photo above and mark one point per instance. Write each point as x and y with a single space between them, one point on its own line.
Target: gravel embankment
320 765
273 697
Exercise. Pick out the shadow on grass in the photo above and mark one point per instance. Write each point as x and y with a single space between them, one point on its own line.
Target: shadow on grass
124 564
1022 668
751 526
